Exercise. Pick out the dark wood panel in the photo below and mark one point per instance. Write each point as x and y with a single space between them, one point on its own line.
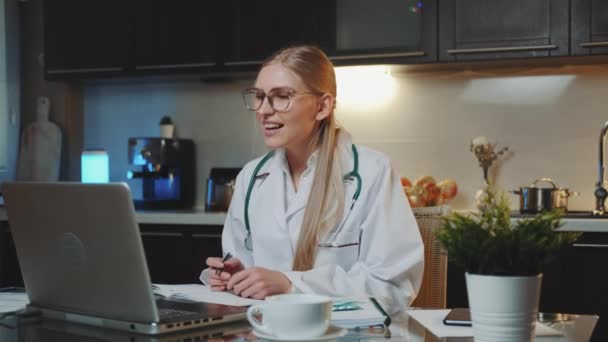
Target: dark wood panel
467 27
386 31
175 35
86 34
10 272
261 28
175 254
589 24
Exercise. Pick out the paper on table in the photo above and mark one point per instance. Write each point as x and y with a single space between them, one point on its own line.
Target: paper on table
201 293
433 321
10 302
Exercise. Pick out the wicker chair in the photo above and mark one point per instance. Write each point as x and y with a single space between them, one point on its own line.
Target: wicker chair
434 282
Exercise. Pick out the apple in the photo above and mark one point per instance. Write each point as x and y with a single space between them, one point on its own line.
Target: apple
427 189
416 201
447 190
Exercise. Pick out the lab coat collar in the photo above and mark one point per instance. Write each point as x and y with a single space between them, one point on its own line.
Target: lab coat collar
281 170
345 153
283 164
300 202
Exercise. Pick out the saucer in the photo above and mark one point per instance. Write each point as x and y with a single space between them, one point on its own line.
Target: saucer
331 333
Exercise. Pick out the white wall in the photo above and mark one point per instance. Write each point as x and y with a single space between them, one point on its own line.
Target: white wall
549 117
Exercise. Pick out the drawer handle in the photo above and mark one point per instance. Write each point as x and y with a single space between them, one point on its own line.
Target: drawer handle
242 63
81 70
161 234
379 55
501 49
215 236
174 66
593 44
593 245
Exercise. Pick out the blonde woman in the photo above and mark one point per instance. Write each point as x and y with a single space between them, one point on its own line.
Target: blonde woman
318 214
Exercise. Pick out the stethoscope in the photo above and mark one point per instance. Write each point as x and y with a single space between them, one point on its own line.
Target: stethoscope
330 241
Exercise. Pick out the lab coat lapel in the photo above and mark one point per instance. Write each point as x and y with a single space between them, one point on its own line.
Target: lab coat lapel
274 194
299 204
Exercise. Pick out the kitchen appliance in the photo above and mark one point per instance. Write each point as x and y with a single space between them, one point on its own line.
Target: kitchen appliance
534 199
164 178
220 187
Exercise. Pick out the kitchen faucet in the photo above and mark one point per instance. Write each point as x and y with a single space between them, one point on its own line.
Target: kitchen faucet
600 192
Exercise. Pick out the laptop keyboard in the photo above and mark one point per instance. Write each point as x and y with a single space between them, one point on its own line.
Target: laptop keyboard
168 315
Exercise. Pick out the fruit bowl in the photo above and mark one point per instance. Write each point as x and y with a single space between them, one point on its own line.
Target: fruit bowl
426 192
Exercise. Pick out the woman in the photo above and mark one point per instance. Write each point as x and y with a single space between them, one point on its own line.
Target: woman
318 214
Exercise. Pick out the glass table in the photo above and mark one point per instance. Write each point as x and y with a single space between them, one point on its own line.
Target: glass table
576 328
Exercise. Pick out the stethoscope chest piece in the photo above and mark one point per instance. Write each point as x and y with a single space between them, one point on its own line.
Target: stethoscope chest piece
248 243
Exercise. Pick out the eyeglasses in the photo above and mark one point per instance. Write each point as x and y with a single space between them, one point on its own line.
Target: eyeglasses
278 98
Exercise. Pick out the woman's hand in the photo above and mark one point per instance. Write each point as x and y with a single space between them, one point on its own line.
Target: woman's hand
258 282
226 269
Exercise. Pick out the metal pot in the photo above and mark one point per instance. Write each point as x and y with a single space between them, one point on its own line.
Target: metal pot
534 199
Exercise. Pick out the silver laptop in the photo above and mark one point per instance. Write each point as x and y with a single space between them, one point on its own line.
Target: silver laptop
82 260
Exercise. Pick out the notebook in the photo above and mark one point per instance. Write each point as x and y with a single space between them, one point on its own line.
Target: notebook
352 313
201 293
82 260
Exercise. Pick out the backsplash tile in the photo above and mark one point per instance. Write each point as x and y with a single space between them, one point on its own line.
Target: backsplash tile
550 118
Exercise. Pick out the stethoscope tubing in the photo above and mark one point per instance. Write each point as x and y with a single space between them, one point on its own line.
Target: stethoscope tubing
352 174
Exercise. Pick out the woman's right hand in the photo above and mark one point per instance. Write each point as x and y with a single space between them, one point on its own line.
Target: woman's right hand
218 280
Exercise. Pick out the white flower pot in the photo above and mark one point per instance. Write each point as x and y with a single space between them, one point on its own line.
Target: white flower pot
503 308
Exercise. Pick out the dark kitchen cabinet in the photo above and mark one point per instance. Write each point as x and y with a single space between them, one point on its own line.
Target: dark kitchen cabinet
177 36
10 273
176 254
589 27
259 28
481 29
385 31
586 280
86 37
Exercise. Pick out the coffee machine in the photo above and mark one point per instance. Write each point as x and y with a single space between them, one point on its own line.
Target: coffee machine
164 174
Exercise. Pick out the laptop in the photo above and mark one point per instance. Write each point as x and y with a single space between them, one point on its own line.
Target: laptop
82 260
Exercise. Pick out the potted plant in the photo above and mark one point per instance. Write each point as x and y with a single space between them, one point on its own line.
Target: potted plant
503 260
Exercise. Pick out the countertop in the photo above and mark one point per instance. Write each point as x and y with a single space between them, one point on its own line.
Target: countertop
200 217
577 221
187 217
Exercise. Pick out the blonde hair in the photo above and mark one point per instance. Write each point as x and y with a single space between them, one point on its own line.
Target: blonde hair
326 199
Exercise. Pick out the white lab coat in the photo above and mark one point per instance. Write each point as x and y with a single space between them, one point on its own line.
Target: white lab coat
384 256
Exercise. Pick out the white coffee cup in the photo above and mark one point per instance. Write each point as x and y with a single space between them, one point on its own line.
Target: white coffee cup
292 316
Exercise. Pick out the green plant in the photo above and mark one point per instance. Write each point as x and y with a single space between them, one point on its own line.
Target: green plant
489 243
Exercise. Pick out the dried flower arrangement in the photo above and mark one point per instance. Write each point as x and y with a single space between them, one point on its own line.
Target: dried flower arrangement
485 152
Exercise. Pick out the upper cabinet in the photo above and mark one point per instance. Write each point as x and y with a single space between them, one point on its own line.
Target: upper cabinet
258 28
177 36
589 27
85 37
98 38
482 29
389 31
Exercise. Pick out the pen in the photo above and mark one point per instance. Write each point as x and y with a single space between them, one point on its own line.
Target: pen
226 258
